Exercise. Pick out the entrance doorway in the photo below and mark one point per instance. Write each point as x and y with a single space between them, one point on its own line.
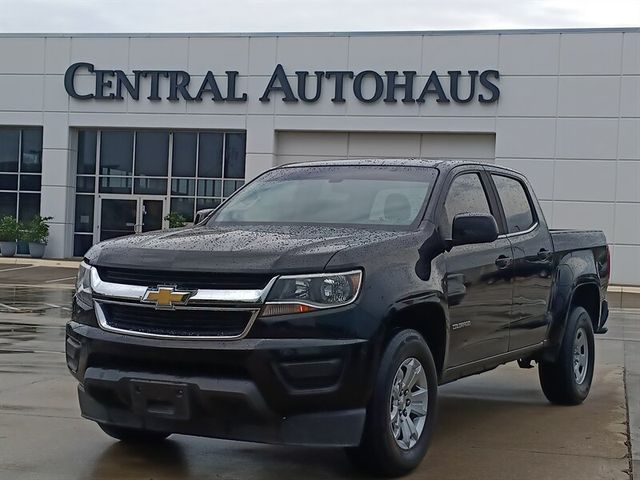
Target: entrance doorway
120 215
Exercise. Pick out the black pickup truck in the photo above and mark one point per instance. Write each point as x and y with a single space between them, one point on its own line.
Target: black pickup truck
323 304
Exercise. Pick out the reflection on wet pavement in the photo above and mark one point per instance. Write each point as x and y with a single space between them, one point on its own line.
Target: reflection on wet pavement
38 276
53 301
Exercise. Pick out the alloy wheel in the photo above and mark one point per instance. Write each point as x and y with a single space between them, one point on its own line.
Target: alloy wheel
408 404
580 356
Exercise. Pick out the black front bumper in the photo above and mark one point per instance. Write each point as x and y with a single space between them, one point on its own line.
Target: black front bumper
288 391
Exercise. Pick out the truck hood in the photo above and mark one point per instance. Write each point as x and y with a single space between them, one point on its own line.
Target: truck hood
233 248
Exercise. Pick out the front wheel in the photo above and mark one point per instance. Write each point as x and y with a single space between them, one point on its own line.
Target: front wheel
401 415
567 380
132 435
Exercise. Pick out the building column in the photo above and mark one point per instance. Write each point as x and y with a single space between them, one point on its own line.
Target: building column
260 155
58 184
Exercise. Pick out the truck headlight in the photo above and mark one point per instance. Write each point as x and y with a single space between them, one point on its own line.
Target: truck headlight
308 293
84 294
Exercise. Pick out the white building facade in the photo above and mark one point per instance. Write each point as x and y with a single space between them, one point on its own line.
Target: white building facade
108 134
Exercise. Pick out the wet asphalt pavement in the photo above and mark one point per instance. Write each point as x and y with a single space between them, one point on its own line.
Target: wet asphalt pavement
34 288
497 425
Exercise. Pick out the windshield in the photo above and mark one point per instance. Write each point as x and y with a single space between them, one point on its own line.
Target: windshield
336 195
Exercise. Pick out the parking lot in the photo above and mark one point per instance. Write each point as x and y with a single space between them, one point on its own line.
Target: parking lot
497 425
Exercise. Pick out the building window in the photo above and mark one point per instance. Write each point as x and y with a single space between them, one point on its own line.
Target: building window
20 171
206 168
192 170
152 154
116 153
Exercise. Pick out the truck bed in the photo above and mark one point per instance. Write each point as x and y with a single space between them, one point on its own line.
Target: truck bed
566 240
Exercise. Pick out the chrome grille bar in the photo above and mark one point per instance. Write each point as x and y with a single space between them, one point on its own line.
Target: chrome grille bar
134 293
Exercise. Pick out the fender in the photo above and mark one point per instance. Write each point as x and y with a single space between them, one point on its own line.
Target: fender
575 270
403 313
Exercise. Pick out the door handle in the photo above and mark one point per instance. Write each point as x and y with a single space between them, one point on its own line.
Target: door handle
503 261
544 254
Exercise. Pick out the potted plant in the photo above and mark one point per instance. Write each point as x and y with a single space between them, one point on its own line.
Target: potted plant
9 231
36 233
176 220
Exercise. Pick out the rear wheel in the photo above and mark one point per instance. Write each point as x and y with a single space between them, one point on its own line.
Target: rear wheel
567 380
401 414
132 435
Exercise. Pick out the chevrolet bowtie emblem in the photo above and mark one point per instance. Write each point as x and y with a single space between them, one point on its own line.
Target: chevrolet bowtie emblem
166 297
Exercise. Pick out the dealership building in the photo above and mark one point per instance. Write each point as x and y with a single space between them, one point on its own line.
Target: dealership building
107 134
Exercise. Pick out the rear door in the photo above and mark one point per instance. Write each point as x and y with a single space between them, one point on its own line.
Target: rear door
532 259
478 276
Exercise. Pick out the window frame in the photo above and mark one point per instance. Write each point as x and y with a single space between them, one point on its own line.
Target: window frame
96 177
494 205
19 174
534 212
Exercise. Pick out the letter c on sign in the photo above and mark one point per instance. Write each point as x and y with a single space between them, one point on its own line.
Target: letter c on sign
69 76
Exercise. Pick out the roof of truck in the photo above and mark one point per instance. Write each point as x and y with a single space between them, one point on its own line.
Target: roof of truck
396 162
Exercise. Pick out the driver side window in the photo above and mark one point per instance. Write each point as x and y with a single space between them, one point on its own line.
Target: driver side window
466 195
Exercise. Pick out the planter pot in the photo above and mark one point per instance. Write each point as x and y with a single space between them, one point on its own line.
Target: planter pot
8 249
36 250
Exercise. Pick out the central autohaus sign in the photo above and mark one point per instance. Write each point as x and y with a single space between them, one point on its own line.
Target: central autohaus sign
367 86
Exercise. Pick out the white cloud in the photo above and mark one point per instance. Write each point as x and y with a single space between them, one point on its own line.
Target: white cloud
309 15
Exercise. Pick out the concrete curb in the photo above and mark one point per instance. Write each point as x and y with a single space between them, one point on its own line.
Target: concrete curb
632 386
620 296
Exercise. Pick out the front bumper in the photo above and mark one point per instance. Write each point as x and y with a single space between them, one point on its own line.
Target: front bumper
288 391
220 408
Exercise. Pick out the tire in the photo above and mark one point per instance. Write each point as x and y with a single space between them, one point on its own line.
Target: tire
132 435
379 452
561 383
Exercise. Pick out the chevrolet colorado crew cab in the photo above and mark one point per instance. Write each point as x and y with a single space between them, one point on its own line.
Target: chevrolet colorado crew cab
324 303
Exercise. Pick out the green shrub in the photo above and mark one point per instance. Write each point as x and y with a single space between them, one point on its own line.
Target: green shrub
9 229
176 220
36 230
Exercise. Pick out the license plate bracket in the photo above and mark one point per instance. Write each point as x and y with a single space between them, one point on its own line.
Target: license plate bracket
160 399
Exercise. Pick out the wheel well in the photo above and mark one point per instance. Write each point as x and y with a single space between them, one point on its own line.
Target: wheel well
588 297
430 321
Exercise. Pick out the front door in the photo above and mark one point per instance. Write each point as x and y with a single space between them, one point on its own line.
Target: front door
125 215
478 282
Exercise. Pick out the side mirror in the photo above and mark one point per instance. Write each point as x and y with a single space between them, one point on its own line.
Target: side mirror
202 214
471 228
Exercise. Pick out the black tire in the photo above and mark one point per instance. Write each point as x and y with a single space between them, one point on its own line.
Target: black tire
560 383
379 453
132 435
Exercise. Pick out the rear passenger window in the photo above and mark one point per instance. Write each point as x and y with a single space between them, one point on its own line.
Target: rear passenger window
515 203
466 195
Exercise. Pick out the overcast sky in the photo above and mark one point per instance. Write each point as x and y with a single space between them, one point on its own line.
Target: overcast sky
309 15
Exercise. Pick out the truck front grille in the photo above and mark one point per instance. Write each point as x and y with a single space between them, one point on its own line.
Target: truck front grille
191 323
186 280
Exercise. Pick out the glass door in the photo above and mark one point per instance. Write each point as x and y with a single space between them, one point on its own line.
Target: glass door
151 214
121 215
118 217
